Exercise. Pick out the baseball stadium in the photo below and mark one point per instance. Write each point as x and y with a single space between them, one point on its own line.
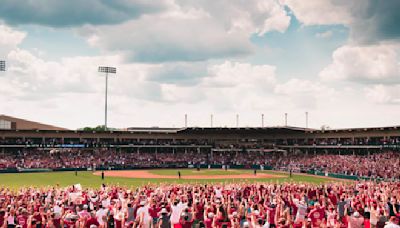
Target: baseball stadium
199 114
189 162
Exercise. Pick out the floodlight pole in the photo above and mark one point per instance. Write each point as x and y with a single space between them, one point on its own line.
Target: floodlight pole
186 121
306 119
107 70
2 65
106 103
286 119
211 120
262 120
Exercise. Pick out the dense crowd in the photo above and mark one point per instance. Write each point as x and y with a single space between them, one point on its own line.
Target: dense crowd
355 205
74 158
376 165
382 165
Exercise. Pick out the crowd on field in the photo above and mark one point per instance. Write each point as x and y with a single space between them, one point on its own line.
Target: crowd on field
247 205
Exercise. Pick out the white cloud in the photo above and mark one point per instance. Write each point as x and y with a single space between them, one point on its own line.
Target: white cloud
304 93
322 12
191 31
251 17
233 74
9 39
151 39
179 94
370 21
31 77
298 86
383 94
376 63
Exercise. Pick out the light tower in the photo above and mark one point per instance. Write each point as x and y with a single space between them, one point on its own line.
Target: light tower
2 65
186 120
107 70
262 120
306 119
286 119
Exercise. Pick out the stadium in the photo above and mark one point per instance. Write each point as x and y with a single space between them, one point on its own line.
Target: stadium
199 114
37 155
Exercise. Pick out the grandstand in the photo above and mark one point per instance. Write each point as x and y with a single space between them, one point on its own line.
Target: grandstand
249 158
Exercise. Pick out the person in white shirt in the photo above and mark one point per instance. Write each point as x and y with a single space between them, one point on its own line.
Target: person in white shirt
176 211
143 215
392 223
101 215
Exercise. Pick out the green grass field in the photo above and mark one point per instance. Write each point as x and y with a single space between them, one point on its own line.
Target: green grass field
87 179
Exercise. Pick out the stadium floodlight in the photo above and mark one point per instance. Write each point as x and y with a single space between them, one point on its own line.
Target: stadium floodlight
107 70
306 119
286 119
2 65
262 120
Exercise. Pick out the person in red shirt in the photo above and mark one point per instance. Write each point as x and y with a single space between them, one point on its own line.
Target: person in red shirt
317 216
332 197
22 219
187 218
153 211
271 212
92 220
199 211
208 219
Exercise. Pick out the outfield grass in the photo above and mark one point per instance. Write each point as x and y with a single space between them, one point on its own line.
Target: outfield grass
87 179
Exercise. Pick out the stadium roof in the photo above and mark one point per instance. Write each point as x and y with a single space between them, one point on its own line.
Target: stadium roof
22 124
355 129
154 129
270 130
218 129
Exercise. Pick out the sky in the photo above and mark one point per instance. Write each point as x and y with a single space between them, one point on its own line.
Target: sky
338 60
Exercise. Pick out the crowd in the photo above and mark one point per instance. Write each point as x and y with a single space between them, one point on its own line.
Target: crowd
375 165
76 158
382 165
355 205
89 143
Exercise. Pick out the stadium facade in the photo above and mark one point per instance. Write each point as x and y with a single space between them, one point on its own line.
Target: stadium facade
18 133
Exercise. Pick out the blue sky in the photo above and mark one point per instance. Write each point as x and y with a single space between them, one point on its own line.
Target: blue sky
55 43
337 60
